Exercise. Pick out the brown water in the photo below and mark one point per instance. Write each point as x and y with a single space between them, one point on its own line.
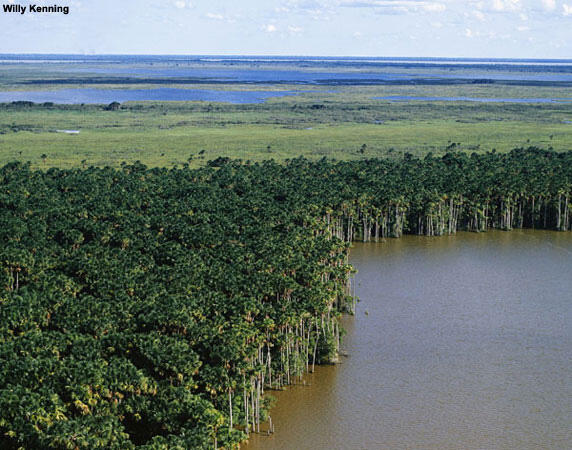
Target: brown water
466 344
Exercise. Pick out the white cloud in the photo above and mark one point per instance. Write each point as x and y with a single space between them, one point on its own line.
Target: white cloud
478 15
549 5
182 4
484 35
269 28
318 9
436 24
397 5
434 7
294 29
567 9
523 28
214 16
306 4
506 5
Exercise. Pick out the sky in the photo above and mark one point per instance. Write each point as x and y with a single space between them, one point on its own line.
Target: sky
439 28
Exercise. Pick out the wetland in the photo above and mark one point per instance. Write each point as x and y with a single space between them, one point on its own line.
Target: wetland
458 342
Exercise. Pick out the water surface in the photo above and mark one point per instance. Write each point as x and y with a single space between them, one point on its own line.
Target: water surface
134 70
324 70
466 345
406 98
89 95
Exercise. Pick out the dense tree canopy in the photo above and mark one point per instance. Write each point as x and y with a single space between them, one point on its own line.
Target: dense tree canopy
151 308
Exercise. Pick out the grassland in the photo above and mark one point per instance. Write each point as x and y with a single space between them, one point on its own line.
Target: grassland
341 122
164 134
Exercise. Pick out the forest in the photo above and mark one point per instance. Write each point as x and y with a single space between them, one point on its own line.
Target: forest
156 308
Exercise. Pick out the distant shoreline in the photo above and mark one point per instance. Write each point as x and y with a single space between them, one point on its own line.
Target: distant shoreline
283 58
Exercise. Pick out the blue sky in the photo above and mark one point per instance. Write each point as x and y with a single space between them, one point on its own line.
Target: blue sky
449 28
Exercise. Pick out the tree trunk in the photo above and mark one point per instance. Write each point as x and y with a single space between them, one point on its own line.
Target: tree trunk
230 409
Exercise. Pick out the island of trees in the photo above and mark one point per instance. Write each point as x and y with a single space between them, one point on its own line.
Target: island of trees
153 308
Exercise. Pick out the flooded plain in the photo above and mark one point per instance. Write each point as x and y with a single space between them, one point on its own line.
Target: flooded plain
88 72
460 342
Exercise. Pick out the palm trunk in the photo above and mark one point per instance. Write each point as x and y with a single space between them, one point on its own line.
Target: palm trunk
230 409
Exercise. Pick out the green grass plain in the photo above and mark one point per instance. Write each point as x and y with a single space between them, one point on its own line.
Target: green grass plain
333 122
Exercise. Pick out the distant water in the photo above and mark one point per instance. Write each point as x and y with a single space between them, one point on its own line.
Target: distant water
406 98
467 344
318 71
249 69
78 96
246 74
342 72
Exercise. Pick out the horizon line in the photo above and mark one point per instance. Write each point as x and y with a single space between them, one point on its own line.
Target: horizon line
252 55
